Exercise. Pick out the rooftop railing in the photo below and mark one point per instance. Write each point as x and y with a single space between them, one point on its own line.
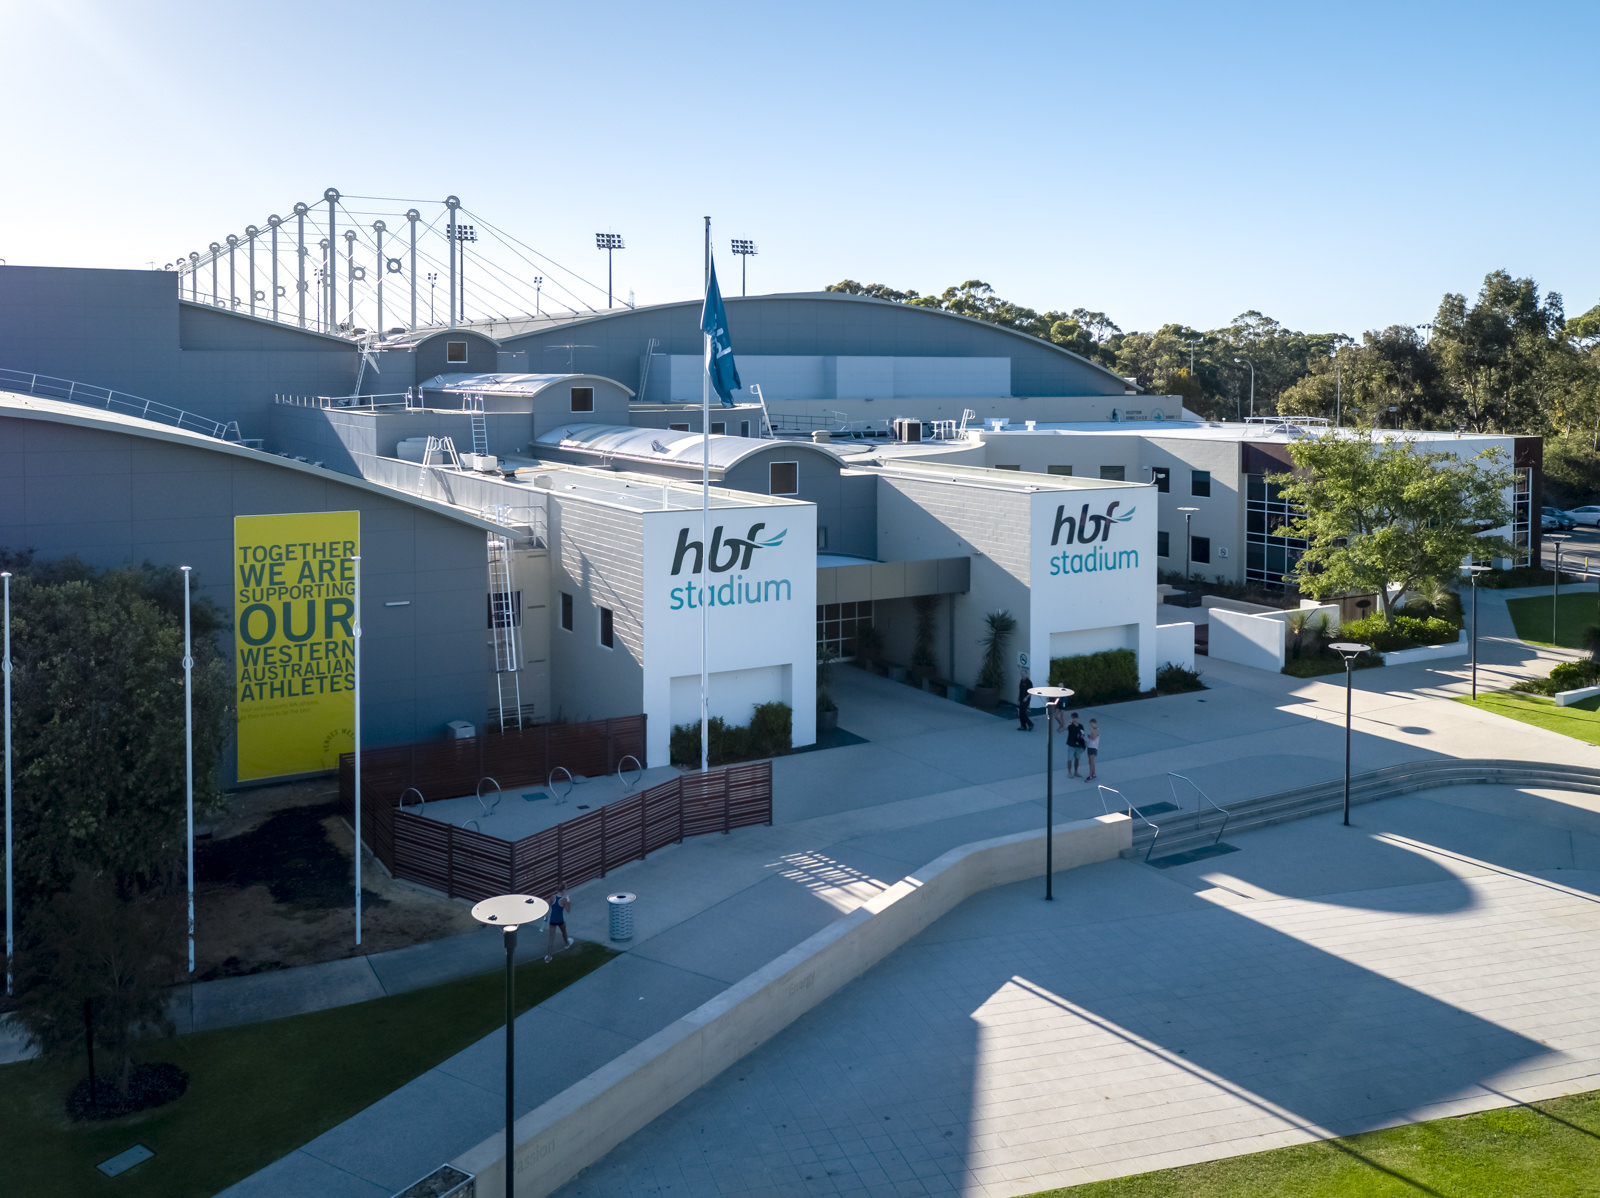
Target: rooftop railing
71 391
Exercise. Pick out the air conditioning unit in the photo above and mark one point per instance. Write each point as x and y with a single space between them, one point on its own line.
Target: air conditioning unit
459 730
907 430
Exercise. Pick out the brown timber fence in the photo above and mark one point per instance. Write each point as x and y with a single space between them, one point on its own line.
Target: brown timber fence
472 865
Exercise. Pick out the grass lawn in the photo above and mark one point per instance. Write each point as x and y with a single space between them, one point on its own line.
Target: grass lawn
1545 1148
1581 721
1576 612
257 1092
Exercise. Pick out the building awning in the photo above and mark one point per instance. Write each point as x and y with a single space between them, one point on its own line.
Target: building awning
841 580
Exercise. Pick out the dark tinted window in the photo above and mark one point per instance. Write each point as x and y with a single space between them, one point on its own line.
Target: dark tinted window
1200 483
783 478
1200 549
606 631
566 611
1162 477
583 399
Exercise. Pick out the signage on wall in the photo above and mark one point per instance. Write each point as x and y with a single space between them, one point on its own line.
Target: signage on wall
1085 536
732 557
294 642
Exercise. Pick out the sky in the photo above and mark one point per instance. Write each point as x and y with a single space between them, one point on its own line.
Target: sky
1338 167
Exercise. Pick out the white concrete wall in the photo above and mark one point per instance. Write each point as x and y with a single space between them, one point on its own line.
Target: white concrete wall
1175 644
677 378
1250 640
578 1126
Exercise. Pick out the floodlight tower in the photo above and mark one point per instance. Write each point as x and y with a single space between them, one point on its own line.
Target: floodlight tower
744 249
538 286
464 234
608 242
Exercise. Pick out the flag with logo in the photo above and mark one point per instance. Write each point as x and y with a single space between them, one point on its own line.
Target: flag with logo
719 349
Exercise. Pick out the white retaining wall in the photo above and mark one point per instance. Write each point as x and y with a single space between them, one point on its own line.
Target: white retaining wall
582 1123
1175 644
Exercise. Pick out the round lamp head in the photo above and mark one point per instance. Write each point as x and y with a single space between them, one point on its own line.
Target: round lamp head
1348 648
510 910
1051 693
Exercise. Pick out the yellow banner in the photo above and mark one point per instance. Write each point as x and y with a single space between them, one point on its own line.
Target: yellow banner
294 616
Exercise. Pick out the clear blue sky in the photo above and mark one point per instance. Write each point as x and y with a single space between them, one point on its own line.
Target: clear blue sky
1338 167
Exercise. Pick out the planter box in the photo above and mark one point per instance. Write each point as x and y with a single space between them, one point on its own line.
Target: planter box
1568 698
956 692
897 673
1427 653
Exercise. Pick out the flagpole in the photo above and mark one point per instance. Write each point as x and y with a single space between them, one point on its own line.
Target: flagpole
705 528
5 666
188 750
356 721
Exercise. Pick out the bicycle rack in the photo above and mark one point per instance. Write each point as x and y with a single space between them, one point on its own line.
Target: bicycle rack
412 790
488 807
1198 810
550 784
627 786
1132 813
473 824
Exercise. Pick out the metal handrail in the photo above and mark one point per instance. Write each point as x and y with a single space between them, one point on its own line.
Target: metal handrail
71 391
550 784
1132 813
1197 811
627 787
488 807
412 790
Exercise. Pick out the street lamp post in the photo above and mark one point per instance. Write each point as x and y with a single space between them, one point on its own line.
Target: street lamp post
1252 367
1348 650
508 912
1555 582
1188 549
1474 571
1054 697
608 242
5 666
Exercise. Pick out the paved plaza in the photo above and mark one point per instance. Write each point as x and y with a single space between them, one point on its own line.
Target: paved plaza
1315 981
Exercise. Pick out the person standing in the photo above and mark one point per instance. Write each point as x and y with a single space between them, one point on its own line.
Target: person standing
1024 701
560 904
1091 743
1075 747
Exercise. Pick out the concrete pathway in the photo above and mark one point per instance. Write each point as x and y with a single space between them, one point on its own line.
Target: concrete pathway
851 821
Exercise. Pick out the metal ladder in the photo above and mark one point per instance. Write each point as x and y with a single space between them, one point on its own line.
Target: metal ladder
480 427
766 417
441 451
504 625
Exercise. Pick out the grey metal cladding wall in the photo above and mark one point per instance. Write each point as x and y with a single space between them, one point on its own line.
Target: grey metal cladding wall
599 560
122 329
115 499
822 323
483 355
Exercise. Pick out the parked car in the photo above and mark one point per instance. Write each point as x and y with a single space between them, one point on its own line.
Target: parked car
1554 519
1588 514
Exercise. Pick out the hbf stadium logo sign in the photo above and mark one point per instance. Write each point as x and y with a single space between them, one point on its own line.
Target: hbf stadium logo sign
1092 531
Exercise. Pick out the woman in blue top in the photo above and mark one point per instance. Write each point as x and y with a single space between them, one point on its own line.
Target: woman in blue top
560 904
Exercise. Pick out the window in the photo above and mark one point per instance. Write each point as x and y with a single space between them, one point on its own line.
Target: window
744 428
1200 483
838 624
566 611
719 427
607 632
583 399
1162 542
1200 549
1000 467
455 351
1162 477
1063 470
1269 555
1114 474
678 428
783 478
822 536
505 611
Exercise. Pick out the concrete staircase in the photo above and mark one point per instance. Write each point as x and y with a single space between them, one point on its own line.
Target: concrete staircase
1184 831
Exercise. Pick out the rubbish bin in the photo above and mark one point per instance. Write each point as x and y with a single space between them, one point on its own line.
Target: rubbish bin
621 915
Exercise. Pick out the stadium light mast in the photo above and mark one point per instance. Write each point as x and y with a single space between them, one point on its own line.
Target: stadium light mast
464 234
608 242
745 249
538 286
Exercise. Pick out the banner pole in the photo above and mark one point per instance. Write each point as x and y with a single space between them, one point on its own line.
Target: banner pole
188 751
356 651
5 666
705 526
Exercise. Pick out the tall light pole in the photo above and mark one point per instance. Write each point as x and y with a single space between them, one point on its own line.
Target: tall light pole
1474 571
1252 366
188 751
538 286
433 282
464 235
508 912
5 668
1054 697
608 242
1348 650
1555 582
1338 386
355 665
744 249
1188 549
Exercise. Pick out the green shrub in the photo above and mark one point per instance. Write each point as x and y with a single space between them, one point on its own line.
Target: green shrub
1173 679
1098 677
1521 576
769 734
998 625
1407 632
1328 663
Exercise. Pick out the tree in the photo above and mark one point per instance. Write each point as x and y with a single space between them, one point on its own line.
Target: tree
98 724
1380 513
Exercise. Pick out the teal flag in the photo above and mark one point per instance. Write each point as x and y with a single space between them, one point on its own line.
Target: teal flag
719 349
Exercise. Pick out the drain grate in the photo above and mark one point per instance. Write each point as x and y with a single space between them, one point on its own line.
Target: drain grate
1192 855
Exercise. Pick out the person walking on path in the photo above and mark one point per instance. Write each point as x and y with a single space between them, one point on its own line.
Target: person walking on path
560 904
1024 701
1075 747
1091 742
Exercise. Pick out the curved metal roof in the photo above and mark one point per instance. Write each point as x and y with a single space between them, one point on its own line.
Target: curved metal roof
661 445
508 384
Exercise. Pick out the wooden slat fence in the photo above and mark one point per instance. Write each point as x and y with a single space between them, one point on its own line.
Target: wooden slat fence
472 865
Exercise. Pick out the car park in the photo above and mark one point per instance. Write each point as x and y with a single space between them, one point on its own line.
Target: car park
1554 519
1588 515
